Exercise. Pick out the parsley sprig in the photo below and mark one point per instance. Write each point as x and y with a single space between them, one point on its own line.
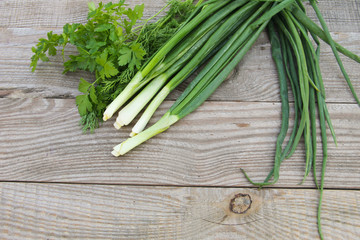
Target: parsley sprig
113 44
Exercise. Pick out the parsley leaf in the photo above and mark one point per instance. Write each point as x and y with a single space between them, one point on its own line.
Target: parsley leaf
113 44
93 95
125 57
84 104
84 86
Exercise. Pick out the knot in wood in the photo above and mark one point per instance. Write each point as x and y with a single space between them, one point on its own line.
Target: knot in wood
241 203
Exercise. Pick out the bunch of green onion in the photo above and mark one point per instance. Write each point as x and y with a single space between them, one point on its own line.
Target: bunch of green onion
217 36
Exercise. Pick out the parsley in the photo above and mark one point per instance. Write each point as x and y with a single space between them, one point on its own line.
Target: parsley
113 44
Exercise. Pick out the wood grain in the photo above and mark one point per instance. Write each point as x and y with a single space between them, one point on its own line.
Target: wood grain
61 211
40 140
55 14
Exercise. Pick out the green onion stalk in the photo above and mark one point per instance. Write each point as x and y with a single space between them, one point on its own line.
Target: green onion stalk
202 49
210 77
131 110
206 12
235 20
225 19
286 25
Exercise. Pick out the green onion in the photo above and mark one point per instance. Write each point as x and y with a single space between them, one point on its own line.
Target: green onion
212 9
217 38
130 111
279 62
213 74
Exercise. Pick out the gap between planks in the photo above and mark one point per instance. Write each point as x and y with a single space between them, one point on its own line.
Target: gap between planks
181 186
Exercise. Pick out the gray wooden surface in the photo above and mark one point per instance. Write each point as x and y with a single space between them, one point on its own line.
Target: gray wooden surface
57 183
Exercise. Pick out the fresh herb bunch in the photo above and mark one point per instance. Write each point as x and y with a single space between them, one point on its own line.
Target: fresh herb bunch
113 44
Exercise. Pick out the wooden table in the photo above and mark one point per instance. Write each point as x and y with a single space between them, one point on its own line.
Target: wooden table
56 182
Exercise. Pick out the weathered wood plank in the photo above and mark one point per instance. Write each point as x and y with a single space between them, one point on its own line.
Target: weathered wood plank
40 140
60 211
342 16
55 14
255 79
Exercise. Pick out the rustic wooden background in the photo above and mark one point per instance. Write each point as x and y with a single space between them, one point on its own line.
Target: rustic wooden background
57 183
